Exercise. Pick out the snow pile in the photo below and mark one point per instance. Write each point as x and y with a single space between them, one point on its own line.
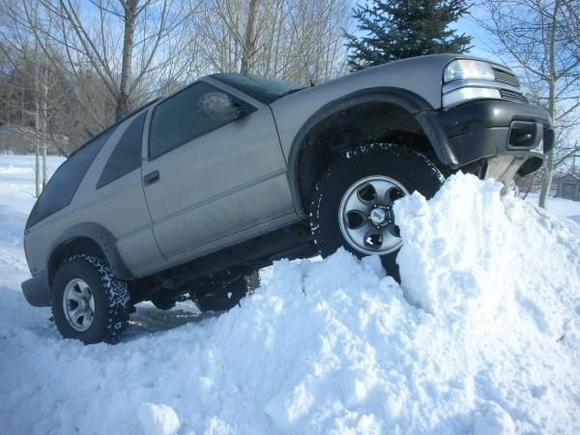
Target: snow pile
481 337
493 249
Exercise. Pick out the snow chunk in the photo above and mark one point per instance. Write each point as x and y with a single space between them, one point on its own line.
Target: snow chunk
493 420
158 419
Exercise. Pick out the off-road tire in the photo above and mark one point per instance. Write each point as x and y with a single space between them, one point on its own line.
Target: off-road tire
111 299
411 169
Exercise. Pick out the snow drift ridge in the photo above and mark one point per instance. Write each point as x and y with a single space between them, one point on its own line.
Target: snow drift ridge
482 337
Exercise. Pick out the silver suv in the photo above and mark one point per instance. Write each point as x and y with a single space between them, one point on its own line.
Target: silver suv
191 194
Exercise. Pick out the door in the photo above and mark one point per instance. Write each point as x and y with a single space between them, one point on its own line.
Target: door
205 179
115 198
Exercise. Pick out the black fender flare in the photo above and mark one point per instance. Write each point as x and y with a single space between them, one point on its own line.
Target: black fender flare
102 237
412 103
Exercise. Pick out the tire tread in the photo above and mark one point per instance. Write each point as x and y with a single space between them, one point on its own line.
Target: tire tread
116 295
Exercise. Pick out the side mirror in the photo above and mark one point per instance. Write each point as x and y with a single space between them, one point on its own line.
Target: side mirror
219 106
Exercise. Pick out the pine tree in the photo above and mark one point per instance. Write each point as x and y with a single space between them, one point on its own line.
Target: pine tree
397 29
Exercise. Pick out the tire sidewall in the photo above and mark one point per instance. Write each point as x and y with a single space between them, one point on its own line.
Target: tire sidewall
100 330
409 168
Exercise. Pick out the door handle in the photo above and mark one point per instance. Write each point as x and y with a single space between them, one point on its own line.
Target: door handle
150 178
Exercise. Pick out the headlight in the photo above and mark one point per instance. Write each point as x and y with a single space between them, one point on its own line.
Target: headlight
468 69
462 95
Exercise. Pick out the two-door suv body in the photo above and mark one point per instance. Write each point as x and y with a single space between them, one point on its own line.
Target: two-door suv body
194 192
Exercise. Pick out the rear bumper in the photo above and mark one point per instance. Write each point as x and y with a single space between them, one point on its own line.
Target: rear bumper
36 290
502 135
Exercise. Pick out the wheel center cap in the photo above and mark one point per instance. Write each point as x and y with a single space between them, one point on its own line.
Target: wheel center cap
378 216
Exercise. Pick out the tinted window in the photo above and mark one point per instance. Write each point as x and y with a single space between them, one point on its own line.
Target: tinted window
62 186
126 157
260 88
178 120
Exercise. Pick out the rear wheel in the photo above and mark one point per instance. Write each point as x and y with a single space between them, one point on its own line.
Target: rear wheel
89 303
352 206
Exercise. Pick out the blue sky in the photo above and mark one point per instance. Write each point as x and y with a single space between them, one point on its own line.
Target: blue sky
484 45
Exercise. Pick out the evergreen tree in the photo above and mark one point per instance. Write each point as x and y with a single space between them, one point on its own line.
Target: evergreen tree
397 29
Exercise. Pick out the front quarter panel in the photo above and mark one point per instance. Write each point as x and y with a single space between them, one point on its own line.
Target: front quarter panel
421 76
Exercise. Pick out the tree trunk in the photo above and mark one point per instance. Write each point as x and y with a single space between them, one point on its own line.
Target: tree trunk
44 166
122 106
549 166
248 49
36 91
43 130
37 181
37 166
546 186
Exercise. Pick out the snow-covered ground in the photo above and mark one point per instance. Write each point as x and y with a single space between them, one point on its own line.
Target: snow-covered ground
568 211
482 337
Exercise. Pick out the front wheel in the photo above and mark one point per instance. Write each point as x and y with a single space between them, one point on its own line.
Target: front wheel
352 206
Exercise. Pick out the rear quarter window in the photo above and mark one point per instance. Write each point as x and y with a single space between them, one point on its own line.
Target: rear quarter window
126 157
63 185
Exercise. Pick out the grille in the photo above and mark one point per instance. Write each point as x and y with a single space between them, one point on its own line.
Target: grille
506 77
513 96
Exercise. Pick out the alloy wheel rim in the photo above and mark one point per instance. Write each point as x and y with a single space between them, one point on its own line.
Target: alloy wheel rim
79 305
366 217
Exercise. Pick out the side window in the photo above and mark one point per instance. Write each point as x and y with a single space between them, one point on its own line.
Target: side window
126 157
63 185
179 119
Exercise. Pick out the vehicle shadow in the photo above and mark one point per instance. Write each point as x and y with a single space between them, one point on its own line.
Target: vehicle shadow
148 319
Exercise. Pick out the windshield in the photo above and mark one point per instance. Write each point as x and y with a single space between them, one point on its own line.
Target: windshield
258 87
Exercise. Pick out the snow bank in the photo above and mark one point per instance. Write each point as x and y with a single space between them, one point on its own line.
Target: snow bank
17 181
568 211
481 337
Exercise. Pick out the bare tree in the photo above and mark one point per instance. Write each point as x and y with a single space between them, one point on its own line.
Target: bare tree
85 64
88 38
298 40
542 39
33 82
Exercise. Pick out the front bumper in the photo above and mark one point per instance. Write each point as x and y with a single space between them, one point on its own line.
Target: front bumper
36 290
503 136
